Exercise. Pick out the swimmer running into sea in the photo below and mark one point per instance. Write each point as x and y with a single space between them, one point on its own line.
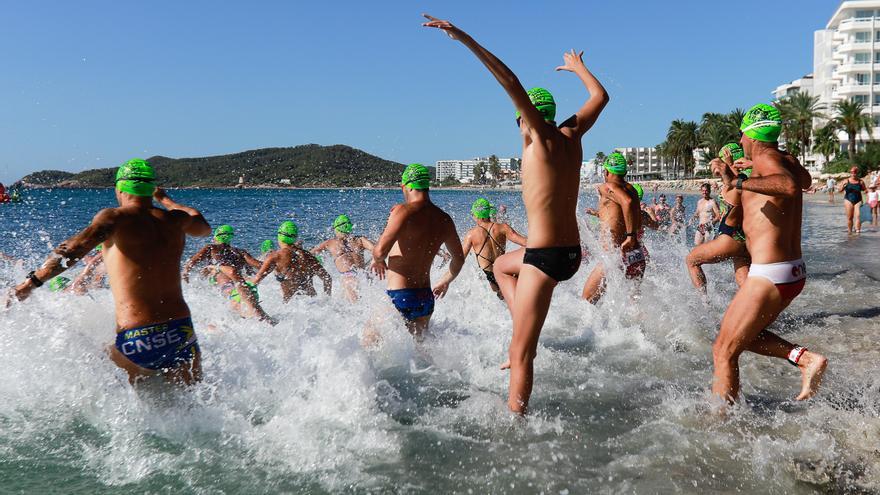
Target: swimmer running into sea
730 244
488 240
348 254
412 238
551 163
772 205
295 268
142 250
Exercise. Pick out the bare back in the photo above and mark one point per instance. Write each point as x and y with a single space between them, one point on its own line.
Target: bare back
142 256
421 234
489 242
773 224
348 253
611 213
295 271
550 185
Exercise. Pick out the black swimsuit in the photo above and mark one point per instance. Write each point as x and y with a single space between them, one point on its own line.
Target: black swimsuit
490 276
559 263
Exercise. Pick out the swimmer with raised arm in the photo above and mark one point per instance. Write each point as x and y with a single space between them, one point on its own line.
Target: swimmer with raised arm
551 162
772 206
142 250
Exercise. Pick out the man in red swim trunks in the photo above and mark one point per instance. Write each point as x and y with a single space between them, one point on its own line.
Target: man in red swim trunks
621 217
772 205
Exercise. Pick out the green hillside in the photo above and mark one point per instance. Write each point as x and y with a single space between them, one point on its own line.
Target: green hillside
308 165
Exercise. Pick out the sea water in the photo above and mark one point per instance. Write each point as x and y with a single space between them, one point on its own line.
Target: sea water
621 401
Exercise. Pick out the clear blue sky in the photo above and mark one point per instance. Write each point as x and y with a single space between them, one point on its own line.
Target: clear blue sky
91 84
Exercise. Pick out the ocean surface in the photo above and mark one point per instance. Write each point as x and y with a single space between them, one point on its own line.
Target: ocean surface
621 401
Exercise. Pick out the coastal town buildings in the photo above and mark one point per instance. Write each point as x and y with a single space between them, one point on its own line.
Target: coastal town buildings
463 170
846 65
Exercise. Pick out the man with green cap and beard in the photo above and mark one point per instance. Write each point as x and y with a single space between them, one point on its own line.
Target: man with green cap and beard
412 237
772 210
348 254
551 164
143 245
619 213
488 240
295 268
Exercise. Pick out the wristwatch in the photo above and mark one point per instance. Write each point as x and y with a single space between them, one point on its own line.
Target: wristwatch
630 234
34 280
739 181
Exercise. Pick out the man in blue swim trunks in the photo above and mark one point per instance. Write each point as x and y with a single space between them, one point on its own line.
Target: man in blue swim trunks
413 235
142 249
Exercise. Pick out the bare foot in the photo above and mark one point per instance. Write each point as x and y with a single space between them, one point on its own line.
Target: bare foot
812 368
506 365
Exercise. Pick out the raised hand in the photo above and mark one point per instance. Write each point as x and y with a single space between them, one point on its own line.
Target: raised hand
446 26
573 61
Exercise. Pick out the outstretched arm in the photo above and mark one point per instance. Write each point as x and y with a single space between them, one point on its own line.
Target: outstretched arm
514 236
250 260
194 223
779 182
466 244
320 247
70 251
453 245
200 256
319 270
266 268
502 73
589 112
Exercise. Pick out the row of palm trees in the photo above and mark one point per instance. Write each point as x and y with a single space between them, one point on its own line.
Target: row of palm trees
798 110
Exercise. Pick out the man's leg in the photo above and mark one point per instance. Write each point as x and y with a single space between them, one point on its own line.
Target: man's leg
753 308
715 251
741 268
350 284
418 327
506 269
595 284
533 294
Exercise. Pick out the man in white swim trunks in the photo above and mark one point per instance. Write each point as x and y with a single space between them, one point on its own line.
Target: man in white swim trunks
772 205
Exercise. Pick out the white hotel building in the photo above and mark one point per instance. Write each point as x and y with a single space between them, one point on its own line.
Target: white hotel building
463 170
846 64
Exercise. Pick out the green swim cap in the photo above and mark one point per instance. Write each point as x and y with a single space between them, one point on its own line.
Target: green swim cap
59 283
615 164
482 209
639 190
736 151
342 224
236 296
136 177
99 247
266 246
224 234
288 232
544 102
416 176
762 123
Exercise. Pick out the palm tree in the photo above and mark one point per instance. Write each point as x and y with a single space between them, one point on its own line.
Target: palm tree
798 112
715 131
734 119
600 157
683 138
852 119
825 140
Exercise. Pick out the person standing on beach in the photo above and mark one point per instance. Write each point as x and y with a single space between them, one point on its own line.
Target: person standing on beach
551 163
348 254
295 268
488 240
662 212
772 203
874 203
142 250
830 184
678 215
621 219
708 213
412 237
852 189
730 242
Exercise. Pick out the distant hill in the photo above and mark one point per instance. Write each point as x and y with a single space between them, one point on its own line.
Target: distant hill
308 165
